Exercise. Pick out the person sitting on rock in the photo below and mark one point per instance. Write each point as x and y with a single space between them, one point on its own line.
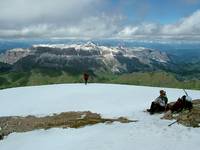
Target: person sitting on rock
185 102
159 104
182 103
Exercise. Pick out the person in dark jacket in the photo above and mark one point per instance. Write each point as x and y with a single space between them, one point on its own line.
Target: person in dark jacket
182 103
185 102
86 77
1 136
159 104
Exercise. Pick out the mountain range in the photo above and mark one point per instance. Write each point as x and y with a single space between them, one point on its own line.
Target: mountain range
85 57
58 63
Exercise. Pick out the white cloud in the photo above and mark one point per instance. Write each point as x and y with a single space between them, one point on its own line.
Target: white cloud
94 26
186 27
142 29
27 12
83 18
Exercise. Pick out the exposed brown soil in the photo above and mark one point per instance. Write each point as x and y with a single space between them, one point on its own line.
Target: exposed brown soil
64 120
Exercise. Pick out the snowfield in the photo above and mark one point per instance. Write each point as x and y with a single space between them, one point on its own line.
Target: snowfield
150 132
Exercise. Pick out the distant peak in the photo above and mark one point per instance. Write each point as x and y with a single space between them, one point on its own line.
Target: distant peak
90 44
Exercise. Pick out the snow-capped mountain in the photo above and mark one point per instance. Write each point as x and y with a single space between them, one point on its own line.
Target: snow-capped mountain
88 57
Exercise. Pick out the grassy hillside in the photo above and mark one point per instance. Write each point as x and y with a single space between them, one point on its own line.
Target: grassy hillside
160 79
44 77
36 77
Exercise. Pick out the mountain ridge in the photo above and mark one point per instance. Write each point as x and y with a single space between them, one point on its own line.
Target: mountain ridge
65 63
88 56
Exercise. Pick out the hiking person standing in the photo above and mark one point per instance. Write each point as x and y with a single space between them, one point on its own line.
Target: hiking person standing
1 135
159 104
86 77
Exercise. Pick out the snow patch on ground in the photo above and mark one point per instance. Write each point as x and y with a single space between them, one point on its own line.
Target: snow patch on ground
107 99
150 132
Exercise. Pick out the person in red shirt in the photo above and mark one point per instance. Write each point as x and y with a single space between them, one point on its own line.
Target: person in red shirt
86 77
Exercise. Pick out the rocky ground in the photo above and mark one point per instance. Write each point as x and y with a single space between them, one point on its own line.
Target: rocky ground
190 118
12 124
186 117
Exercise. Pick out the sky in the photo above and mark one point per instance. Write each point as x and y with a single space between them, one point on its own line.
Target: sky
122 19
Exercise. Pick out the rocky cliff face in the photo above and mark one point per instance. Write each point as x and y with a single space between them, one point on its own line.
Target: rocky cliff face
13 55
87 56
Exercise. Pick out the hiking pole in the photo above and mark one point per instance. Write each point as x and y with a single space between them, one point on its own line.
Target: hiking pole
172 123
188 97
185 92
